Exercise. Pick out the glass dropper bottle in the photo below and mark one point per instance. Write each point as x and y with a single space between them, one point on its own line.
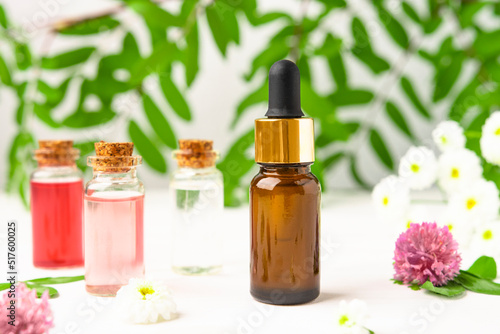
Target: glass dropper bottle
284 198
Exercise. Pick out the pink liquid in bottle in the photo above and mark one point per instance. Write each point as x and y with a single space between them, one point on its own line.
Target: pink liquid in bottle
56 209
114 245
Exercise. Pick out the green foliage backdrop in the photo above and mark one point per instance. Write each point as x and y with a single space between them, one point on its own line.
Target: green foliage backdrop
128 72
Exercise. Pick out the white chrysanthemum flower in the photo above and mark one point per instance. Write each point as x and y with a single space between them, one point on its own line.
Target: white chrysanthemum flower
457 169
486 240
143 301
418 167
490 139
391 198
448 135
351 317
461 229
476 203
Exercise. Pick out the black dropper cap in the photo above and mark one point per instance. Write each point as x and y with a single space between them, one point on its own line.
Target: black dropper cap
284 90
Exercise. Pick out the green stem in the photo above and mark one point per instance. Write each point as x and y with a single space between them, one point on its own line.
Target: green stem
472 134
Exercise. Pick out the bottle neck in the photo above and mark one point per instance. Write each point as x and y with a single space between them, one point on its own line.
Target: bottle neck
109 174
197 170
69 165
285 169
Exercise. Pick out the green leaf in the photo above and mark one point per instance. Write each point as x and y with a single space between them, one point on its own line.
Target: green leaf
154 15
40 289
395 281
256 20
411 13
337 69
23 191
4 286
397 117
90 27
151 155
331 51
56 280
473 143
191 51
477 284
276 50
359 33
467 13
175 98
53 95
67 59
20 162
23 56
44 113
223 24
162 56
3 18
20 112
374 62
188 6
106 85
347 97
316 105
412 95
86 148
330 4
5 73
331 46
260 95
432 24
332 160
354 173
159 122
334 130
446 77
362 48
395 29
84 119
304 68
484 267
234 166
466 99
486 44
451 289
380 148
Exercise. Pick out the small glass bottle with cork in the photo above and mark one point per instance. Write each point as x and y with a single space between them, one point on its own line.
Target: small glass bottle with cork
56 206
197 202
114 213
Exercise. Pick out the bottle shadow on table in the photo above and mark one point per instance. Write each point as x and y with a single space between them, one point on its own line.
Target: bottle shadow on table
327 296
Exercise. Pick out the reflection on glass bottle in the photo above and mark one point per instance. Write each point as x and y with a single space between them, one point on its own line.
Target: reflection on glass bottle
197 200
114 211
56 206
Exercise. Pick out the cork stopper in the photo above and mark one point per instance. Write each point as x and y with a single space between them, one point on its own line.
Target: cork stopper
113 157
195 153
56 153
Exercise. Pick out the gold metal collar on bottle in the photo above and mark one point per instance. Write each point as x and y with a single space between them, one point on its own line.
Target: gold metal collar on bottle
284 140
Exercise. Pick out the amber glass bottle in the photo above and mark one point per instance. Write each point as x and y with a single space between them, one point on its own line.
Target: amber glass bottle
284 198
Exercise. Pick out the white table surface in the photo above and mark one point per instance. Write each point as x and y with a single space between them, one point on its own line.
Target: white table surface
356 262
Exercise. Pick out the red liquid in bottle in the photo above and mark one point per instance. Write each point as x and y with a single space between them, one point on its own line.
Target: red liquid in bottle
56 210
